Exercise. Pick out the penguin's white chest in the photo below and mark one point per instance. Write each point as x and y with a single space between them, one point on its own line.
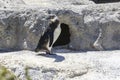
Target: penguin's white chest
56 33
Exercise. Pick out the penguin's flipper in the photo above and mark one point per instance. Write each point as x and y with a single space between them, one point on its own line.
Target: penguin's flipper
51 39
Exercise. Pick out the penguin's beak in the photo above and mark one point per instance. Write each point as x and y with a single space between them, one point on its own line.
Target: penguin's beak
52 18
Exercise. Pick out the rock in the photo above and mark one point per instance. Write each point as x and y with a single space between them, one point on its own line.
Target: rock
92 27
14 29
10 3
89 24
56 2
64 66
106 28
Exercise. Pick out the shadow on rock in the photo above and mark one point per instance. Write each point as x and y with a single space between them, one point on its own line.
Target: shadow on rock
58 58
69 51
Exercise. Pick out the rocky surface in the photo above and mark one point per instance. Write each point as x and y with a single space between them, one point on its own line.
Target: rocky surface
10 3
92 27
56 2
65 65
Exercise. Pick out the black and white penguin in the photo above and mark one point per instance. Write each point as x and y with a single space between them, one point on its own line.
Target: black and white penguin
50 35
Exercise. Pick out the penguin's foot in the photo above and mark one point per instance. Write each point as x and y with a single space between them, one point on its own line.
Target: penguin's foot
49 52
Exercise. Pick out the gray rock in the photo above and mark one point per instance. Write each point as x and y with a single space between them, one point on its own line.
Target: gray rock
56 2
92 27
10 3
18 29
95 65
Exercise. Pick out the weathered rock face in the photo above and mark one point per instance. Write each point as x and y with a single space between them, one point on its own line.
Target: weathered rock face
9 3
18 29
92 27
58 2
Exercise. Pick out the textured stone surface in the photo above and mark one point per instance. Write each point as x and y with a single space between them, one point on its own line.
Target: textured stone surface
56 2
92 27
19 28
9 3
65 65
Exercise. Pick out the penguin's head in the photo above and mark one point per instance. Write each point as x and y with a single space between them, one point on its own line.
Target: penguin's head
52 18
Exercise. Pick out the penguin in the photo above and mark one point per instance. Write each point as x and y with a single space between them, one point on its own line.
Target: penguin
50 35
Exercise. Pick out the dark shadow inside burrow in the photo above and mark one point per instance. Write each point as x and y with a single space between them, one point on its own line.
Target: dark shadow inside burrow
64 37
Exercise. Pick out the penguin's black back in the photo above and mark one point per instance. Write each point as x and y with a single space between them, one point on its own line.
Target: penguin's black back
51 30
48 35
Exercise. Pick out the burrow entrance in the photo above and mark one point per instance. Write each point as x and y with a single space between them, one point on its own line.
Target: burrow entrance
64 37
62 40
105 1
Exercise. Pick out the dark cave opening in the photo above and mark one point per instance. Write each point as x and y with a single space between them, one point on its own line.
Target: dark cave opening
105 1
64 37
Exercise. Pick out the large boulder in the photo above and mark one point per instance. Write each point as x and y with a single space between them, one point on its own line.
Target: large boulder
20 29
92 27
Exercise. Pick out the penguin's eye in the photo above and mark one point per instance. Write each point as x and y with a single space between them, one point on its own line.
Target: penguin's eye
51 17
